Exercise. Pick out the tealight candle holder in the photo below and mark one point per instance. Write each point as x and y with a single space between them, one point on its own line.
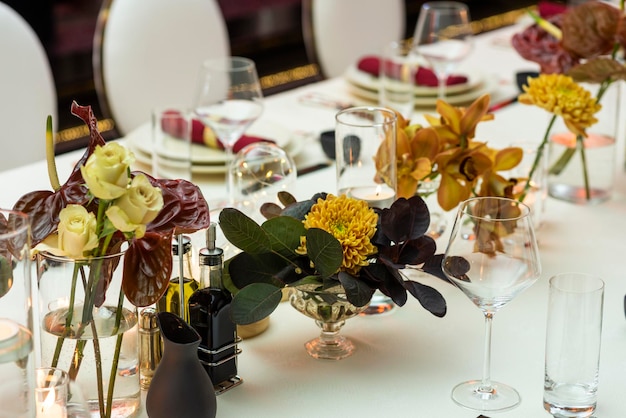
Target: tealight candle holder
365 141
51 392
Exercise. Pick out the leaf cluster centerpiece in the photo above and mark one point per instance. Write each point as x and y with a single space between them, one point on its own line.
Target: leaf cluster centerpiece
325 242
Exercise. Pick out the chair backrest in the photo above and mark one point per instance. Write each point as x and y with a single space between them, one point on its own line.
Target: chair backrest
27 92
338 32
147 54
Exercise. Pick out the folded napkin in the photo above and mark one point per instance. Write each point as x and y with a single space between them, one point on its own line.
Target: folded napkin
548 9
423 76
201 134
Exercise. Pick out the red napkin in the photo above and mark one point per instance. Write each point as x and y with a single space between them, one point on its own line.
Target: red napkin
548 9
423 77
202 134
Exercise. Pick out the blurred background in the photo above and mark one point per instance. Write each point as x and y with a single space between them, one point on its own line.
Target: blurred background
267 31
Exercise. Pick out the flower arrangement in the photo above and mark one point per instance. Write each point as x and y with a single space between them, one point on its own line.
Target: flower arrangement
446 151
328 241
102 209
582 44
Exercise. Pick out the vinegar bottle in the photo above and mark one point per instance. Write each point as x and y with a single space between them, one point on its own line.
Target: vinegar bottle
209 311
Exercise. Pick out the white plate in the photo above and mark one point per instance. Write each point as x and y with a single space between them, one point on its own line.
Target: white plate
369 82
211 161
488 86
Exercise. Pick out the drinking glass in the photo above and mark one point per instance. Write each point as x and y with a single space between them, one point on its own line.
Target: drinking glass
499 261
443 37
228 100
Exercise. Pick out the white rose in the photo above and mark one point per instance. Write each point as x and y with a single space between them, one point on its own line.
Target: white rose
138 207
106 171
76 232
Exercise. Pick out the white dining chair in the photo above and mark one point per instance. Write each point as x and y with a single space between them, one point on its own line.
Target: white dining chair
147 54
338 32
27 92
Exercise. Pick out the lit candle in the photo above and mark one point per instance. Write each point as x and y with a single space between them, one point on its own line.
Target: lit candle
50 407
376 196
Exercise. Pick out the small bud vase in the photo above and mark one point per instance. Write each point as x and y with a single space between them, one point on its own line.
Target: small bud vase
180 386
330 309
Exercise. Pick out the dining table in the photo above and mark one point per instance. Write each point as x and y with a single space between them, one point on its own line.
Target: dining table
407 361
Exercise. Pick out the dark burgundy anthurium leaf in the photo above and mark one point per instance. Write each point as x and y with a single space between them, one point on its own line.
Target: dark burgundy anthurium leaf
428 297
590 29
184 208
147 268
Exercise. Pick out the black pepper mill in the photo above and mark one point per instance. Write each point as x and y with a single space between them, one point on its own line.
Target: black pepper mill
209 313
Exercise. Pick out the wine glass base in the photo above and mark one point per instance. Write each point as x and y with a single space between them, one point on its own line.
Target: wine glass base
339 348
500 398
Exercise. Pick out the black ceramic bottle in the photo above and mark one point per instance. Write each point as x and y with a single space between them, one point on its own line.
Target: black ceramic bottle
171 300
209 314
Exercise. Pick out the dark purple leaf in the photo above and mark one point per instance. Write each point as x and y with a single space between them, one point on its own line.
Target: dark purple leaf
428 297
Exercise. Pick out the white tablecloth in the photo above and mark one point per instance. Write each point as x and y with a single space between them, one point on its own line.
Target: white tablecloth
407 362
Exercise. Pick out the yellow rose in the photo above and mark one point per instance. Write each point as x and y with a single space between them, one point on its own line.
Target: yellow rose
106 171
138 207
76 234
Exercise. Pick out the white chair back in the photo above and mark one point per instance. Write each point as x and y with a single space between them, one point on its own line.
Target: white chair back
338 32
147 54
27 92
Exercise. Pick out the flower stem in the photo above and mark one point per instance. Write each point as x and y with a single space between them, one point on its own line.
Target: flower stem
98 359
116 354
537 158
580 142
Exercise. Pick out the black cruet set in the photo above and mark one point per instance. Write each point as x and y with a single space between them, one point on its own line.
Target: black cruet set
206 306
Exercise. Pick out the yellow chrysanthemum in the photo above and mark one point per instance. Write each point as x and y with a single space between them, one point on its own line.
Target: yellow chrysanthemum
561 95
351 222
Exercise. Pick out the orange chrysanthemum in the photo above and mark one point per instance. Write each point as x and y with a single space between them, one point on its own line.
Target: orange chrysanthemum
352 222
562 96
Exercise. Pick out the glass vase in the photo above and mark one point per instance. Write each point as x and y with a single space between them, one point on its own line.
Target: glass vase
582 171
89 330
330 309
17 365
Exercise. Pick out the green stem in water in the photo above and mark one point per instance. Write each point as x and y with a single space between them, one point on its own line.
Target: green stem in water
116 354
68 319
537 158
98 358
580 142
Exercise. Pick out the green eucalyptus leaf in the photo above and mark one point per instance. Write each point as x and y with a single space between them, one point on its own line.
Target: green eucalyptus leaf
284 233
6 276
357 291
245 269
254 302
324 250
243 232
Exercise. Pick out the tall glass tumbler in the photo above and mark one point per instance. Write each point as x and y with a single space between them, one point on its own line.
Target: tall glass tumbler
365 148
397 78
171 142
573 344
17 368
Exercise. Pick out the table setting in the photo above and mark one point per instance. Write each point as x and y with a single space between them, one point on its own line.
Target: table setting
407 361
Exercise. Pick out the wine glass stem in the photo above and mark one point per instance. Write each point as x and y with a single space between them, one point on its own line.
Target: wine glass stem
230 178
485 384
441 86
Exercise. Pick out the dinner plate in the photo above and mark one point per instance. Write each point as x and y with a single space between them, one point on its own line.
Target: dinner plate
367 81
207 160
466 97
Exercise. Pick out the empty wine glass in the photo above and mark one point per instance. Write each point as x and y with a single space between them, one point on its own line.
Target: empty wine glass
498 262
443 37
228 100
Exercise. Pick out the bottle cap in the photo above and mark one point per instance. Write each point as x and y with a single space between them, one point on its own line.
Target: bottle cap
211 255
186 245
148 319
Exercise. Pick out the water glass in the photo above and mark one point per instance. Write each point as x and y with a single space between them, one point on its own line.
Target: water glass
397 73
365 148
171 140
573 344
17 360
